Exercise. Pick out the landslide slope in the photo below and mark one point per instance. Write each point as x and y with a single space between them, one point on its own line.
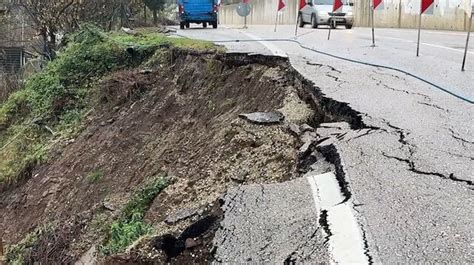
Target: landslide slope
142 141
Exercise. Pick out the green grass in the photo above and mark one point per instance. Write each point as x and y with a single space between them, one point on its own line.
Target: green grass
148 39
95 176
54 103
131 225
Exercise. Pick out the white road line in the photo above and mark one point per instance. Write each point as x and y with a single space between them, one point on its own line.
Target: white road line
345 243
272 48
428 44
422 43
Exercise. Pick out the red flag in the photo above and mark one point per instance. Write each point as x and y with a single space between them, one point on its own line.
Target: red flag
281 4
302 4
425 4
337 5
377 3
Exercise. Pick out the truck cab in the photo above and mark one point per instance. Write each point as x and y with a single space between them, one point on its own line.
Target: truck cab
319 12
203 12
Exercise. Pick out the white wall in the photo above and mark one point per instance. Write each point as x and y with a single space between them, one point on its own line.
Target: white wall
447 14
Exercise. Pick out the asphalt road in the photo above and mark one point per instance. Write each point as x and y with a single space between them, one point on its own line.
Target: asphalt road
410 172
270 223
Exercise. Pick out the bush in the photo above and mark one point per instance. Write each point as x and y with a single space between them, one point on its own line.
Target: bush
54 102
131 225
95 176
123 233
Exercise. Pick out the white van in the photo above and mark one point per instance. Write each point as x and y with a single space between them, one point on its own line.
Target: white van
319 12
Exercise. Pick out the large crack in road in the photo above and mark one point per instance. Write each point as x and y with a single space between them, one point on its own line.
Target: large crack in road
409 177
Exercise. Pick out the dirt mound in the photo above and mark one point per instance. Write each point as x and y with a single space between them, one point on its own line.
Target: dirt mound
179 117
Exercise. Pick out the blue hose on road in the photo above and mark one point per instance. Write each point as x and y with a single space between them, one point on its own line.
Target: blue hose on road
466 99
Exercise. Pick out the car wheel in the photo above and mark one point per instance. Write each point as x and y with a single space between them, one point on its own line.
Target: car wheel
181 25
348 26
204 24
300 21
187 25
314 22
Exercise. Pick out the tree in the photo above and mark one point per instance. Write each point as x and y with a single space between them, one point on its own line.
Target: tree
48 17
53 17
155 6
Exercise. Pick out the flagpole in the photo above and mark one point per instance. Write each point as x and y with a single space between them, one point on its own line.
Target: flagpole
330 26
276 21
419 33
467 41
373 26
297 20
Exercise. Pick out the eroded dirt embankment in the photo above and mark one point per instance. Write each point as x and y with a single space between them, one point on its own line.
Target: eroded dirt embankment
178 117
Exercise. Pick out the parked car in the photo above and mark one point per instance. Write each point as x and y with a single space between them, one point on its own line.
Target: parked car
198 11
319 12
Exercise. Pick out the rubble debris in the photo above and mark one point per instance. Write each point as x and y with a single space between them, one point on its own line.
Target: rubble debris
294 129
240 176
183 215
264 117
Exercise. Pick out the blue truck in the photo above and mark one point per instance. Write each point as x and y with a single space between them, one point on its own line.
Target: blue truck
198 11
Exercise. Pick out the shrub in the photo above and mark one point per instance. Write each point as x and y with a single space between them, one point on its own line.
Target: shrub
54 102
95 176
131 225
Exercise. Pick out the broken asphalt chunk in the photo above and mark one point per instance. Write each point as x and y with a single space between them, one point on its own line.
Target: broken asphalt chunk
182 215
264 117
294 129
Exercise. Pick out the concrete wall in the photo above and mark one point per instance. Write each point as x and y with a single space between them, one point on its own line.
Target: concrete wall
447 14
263 12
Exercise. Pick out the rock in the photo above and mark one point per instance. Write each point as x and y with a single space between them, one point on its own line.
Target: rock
146 71
305 149
309 137
109 205
191 243
264 117
130 31
182 215
306 128
294 129
240 177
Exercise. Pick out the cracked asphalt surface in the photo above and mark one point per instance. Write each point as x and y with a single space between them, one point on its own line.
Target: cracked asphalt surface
270 223
410 170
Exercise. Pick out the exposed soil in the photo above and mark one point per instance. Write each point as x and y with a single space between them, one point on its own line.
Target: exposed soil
180 117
